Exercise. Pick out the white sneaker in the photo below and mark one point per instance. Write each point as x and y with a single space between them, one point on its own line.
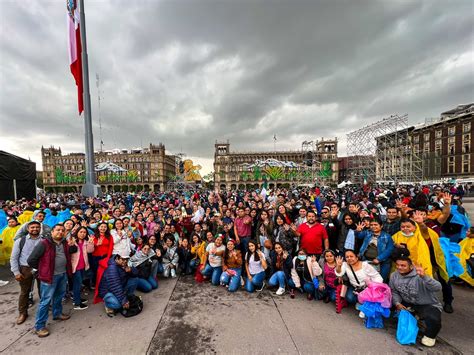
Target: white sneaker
173 273
361 315
4 283
280 291
428 341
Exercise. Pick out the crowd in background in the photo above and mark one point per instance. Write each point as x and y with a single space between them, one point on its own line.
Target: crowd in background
403 244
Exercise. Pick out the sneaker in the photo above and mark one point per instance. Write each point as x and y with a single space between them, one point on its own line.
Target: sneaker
357 306
80 306
109 311
280 291
261 288
84 300
361 315
42 333
173 273
428 341
448 308
292 293
4 283
62 317
310 297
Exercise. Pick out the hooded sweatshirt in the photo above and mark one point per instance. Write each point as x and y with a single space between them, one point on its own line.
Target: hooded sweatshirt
413 289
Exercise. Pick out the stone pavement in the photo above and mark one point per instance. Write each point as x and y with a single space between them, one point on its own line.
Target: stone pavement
183 317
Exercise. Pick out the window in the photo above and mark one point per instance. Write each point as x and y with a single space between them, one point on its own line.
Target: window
426 147
452 130
426 137
438 145
466 158
451 148
451 140
416 148
416 139
451 164
466 127
439 133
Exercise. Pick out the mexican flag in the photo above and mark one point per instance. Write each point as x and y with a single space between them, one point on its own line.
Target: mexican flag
75 49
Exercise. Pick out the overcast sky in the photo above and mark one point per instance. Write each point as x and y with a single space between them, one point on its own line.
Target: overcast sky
186 73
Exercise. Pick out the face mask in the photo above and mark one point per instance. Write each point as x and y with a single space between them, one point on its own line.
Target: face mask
430 208
408 235
302 257
93 225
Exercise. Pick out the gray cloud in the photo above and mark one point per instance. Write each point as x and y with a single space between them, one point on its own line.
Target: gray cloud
188 72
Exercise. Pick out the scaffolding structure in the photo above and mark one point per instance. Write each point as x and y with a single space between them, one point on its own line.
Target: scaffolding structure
382 152
311 164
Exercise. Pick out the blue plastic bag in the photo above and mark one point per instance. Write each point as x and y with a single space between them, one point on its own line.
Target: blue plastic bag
407 328
316 283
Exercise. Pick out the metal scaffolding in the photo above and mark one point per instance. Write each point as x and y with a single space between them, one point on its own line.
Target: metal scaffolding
382 152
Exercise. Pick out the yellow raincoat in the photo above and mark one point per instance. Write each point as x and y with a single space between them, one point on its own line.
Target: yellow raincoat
420 252
25 217
7 243
467 248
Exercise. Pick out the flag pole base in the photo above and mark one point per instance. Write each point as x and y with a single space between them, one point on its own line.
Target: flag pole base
91 190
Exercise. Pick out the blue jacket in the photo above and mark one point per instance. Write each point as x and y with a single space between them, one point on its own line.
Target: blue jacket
114 280
384 244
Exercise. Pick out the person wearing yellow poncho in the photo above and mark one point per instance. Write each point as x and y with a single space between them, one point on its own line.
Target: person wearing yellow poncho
7 240
410 237
26 216
467 248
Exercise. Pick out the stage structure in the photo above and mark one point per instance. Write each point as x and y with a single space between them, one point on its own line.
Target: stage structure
382 152
187 175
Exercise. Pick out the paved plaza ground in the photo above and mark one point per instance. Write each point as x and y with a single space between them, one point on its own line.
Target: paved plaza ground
183 317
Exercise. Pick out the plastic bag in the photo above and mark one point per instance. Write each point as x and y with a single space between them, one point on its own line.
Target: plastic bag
376 292
315 282
198 275
407 328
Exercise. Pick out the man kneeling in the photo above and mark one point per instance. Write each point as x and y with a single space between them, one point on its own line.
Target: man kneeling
118 281
413 290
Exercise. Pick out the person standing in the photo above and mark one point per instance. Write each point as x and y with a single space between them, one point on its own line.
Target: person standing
22 249
313 235
52 258
242 229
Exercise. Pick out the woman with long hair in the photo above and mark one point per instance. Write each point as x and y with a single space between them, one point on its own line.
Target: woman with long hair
280 268
103 246
231 267
80 265
255 265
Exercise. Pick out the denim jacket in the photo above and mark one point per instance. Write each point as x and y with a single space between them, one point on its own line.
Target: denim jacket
384 244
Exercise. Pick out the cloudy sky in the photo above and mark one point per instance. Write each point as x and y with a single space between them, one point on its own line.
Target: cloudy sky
186 73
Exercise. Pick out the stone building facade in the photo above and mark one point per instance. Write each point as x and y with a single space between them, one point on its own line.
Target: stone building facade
442 147
237 170
142 169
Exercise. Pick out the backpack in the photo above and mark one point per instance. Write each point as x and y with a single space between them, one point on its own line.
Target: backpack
135 307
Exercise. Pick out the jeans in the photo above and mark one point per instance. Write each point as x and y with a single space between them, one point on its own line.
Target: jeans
113 302
257 281
213 272
159 268
193 264
154 268
278 278
327 292
385 270
77 278
51 293
232 281
146 285
308 286
351 297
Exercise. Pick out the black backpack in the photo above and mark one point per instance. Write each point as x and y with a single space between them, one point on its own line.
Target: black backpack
135 306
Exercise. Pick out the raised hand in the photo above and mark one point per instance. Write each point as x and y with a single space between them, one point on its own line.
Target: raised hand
419 270
418 217
447 198
339 260
359 227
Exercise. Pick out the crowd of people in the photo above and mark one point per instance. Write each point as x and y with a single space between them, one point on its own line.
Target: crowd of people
326 244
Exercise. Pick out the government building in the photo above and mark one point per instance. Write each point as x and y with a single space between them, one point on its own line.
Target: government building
315 163
141 169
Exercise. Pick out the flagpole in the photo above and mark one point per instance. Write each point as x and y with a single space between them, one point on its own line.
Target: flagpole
90 188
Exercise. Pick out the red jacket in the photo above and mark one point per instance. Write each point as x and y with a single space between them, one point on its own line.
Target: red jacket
43 257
